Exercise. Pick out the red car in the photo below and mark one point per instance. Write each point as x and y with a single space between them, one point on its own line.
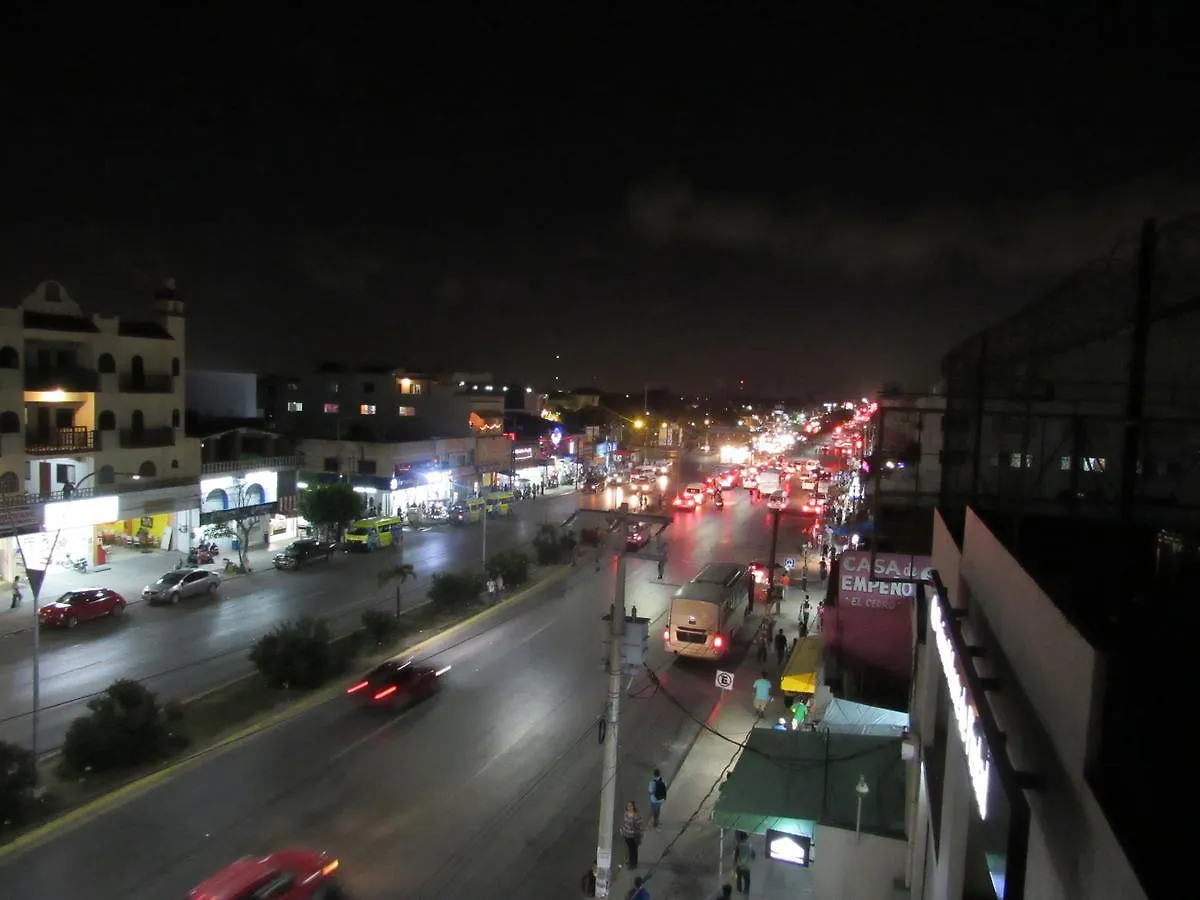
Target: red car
74 607
287 875
396 684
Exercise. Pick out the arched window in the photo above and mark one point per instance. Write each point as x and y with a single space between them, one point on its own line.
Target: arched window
137 371
175 366
105 475
253 495
106 364
107 421
174 464
174 418
216 501
147 470
9 358
138 421
9 483
10 423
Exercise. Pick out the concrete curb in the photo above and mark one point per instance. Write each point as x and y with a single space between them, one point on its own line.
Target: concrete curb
139 785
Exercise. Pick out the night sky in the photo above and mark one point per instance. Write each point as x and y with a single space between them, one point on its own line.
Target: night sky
812 201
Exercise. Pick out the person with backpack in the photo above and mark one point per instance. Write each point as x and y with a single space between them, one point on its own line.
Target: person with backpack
658 794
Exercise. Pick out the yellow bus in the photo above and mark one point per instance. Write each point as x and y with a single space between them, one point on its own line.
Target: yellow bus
465 512
705 612
499 503
371 534
802 673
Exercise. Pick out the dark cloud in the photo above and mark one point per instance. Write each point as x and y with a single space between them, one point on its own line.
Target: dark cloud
1043 239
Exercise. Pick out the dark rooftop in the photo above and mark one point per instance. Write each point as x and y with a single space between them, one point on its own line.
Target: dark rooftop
1099 574
55 322
138 329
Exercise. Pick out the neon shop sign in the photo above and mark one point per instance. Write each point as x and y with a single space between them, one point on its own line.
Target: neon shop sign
979 768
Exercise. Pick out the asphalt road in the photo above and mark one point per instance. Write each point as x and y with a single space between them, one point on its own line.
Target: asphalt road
478 793
200 643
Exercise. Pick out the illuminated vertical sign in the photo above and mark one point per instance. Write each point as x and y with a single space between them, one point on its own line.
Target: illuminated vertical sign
965 716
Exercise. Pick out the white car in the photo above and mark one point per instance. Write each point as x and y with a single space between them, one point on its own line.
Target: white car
777 500
696 491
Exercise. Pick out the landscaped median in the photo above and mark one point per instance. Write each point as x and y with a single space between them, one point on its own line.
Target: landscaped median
129 740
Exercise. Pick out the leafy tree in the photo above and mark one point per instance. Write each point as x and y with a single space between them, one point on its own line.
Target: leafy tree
454 590
331 507
125 726
511 565
401 572
17 780
383 627
239 521
297 654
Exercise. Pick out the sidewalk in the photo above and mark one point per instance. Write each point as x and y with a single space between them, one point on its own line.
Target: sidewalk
126 572
683 858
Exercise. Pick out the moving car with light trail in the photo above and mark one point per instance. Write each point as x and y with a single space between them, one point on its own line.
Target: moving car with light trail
396 685
286 875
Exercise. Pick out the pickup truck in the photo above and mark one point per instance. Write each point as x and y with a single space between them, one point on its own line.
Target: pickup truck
300 553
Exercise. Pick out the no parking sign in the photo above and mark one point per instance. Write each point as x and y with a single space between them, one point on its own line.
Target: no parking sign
725 680
789 563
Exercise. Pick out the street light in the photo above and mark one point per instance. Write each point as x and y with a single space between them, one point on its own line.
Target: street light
35 590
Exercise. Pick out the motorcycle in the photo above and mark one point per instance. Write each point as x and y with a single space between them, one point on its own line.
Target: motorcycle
78 563
719 503
199 556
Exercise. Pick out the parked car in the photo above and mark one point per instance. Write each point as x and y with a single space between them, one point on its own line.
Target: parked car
396 685
638 536
181 583
287 875
74 607
300 553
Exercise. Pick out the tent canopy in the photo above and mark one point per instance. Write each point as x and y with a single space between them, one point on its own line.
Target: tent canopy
848 717
787 777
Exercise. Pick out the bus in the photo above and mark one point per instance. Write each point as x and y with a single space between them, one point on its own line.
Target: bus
706 611
371 534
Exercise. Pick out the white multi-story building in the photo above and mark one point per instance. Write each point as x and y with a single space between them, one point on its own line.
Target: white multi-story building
92 408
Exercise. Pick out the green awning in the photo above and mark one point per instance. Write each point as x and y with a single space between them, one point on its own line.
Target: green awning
789 780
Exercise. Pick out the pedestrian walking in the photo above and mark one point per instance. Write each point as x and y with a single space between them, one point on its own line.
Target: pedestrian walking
762 643
499 586
491 590
780 647
16 592
658 795
743 855
639 891
750 588
762 694
662 564
631 831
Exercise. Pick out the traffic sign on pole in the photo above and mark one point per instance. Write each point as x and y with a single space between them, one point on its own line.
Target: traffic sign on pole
789 563
725 680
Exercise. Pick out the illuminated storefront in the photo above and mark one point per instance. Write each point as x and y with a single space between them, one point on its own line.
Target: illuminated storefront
972 828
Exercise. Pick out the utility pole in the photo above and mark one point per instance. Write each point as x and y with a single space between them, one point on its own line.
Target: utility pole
485 518
617 524
775 513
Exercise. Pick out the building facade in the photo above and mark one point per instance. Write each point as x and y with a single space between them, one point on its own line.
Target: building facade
379 405
93 404
1005 711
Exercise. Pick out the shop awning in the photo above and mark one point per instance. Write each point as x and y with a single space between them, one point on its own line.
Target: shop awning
858 718
218 516
783 777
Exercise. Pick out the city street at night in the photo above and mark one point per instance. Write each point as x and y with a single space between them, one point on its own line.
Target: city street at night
490 789
182 650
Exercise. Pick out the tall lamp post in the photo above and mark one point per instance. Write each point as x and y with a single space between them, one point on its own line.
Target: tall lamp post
35 590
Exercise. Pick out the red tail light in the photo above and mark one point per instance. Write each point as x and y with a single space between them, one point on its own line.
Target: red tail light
358 687
718 642
386 692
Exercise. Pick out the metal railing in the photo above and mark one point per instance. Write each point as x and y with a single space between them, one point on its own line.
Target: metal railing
147 384
250 465
60 440
61 378
147 437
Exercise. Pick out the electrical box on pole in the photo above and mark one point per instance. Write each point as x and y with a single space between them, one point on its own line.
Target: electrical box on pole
635 643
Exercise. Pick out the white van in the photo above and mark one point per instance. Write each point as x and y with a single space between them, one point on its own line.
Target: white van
777 500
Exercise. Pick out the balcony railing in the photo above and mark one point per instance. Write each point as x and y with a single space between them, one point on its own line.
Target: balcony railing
130 438
74 379
147 384
22 512
60 440
250 464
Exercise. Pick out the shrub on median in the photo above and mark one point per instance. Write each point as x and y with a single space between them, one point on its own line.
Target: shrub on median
17 780
125 727
381 627
455 590
299 654
553 546
512 566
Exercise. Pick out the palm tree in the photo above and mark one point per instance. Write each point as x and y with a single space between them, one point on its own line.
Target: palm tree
397 571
